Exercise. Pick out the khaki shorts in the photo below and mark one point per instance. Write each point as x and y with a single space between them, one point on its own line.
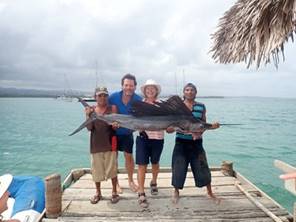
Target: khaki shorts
103 165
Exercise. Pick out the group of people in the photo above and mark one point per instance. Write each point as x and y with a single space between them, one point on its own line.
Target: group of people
106 140
22 198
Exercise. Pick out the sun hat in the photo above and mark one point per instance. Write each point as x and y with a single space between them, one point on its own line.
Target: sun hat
101 90
151 82
5 181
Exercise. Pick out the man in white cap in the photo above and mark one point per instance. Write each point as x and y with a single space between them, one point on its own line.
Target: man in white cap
22 198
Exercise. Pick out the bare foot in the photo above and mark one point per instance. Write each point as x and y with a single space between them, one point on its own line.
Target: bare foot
133 186
118 189
214 198
175 197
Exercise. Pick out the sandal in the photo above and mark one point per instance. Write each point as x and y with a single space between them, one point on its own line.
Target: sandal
115 198
153 189
95 199
142 200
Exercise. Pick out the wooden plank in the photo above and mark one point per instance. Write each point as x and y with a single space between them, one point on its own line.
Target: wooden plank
294 212
246 183
153 219
258 204
161 170
162 182
178 216
149 175
50 220
162 206
167 196
72 194
194 205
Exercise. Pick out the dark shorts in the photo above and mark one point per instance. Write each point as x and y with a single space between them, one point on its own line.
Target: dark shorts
148 149
190 152
125 143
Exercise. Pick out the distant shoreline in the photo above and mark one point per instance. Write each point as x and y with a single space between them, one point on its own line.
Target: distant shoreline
162 97
55 97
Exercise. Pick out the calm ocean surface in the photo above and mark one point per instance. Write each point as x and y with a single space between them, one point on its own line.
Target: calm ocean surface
34 138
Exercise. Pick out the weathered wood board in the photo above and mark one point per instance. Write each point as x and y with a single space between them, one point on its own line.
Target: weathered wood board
194 204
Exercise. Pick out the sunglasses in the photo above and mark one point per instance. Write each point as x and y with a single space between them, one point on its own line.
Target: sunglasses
102 95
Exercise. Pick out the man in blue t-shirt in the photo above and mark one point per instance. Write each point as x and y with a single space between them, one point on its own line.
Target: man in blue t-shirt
123 100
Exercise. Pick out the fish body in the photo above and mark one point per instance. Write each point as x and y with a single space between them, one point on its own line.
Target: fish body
155 123
153 117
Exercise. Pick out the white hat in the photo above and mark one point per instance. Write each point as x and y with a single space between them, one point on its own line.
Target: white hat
5 181
150 82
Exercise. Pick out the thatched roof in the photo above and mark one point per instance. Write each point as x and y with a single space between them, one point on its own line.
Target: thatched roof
254 31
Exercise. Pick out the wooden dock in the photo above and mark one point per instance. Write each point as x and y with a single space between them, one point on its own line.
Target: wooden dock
240 201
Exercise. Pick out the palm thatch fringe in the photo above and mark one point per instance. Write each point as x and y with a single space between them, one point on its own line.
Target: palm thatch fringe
254 31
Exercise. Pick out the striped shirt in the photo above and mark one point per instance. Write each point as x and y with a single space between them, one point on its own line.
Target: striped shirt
199 112
155 135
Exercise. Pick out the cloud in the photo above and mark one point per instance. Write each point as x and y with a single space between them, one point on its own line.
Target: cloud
169 41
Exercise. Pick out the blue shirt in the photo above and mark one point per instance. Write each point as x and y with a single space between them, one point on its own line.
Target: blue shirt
28 192
116 99
198 111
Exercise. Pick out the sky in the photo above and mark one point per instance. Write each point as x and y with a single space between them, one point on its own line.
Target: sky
57 44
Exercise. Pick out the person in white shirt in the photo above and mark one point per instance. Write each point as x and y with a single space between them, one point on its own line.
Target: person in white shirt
22 198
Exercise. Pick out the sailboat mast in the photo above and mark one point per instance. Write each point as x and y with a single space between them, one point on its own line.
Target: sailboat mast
96 74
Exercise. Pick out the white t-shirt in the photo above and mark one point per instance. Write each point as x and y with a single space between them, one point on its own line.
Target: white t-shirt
7 214
23 216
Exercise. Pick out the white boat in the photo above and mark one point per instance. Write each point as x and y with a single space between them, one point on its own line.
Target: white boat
88 99
67 96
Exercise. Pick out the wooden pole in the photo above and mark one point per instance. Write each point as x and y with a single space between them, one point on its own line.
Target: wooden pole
295 212
53 196
258 204
227 168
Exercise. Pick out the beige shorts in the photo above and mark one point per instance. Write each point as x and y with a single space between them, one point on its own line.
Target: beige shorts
103 165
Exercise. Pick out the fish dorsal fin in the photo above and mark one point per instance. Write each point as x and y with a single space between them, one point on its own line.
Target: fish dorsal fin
174 106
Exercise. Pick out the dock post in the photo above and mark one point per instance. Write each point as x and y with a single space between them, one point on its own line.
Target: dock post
227 168
53 196
295 212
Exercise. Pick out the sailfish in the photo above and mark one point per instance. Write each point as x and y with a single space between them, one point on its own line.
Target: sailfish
153 117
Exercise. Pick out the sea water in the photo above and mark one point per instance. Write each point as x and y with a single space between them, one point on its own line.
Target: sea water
34 138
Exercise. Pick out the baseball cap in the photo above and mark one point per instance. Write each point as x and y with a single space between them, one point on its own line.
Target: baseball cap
101 90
